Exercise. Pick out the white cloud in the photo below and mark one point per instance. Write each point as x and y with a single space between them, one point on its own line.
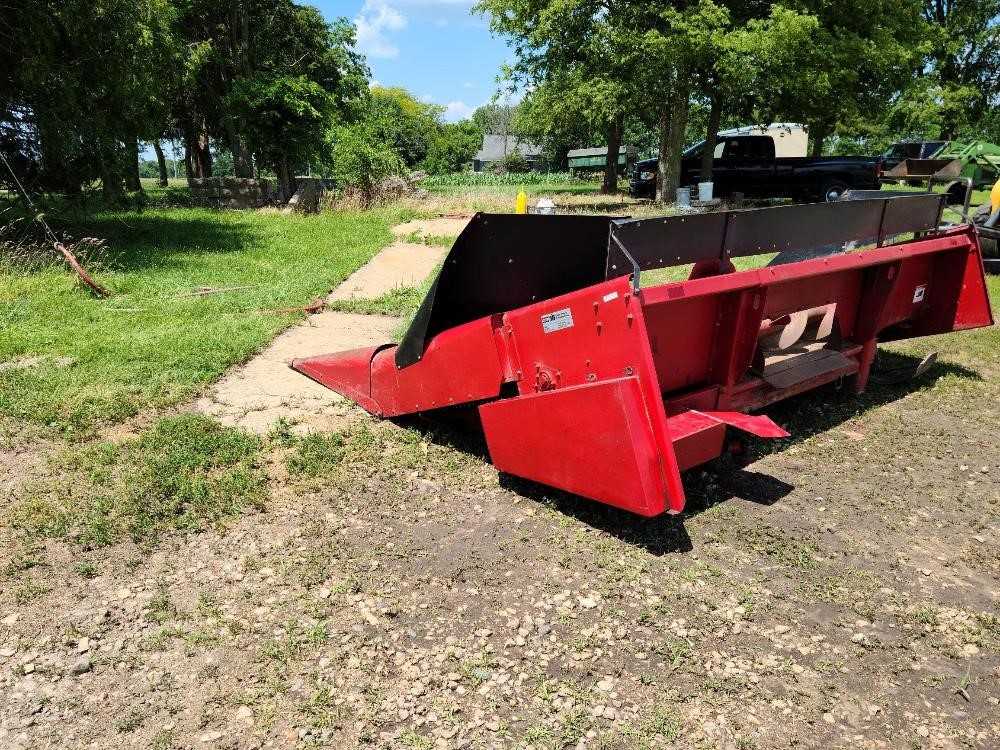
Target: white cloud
375 23
427 98
437 11
374 82
467 85
455 111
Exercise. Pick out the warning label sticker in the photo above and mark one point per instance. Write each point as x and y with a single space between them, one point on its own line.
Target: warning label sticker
918 293
556 321
609 297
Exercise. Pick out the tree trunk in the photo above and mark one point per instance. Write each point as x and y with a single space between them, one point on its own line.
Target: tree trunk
818 133
191 165
614 139
132 181
242 166
111 183
161 164
204 152
284 178
675 136
664 155
711 137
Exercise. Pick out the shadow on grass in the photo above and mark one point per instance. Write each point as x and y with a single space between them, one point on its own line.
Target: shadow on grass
708 485
135 239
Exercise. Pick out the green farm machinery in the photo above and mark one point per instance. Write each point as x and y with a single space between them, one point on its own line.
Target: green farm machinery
960 167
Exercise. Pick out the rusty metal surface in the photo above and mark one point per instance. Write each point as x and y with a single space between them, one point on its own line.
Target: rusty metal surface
919 168
99 290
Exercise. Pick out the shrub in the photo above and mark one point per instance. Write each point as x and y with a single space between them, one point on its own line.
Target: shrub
361 163
512 162
488 179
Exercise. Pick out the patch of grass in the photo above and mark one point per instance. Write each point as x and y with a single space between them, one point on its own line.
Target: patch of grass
417 237
319 455
653 730
103 360
315 455
411 739
85 570
776 544
30 591
183 473
162 739
513 180
18 565
674 650
401 301
130 721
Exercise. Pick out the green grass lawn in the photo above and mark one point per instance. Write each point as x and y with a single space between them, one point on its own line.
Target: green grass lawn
94 361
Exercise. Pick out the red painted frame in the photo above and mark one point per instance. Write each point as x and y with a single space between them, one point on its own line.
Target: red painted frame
619 391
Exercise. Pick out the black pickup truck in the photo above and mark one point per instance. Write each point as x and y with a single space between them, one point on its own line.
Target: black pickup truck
747 164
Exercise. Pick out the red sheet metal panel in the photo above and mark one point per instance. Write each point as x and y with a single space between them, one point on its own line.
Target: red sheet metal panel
594 440
697 438
760 426
460 365
593 335
348 373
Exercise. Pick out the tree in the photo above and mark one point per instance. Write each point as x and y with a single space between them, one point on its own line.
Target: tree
498 118
228 42
79 90
577 64
161 164
861 54
395 117
677 36
452 147
286 119
956 86
361 161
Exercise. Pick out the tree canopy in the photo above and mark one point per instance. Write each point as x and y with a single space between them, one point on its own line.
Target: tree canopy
850 70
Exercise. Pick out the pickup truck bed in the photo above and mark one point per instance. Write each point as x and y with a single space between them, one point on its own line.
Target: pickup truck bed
747 164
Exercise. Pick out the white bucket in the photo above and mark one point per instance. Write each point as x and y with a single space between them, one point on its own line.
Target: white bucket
683 197
545 206
704 191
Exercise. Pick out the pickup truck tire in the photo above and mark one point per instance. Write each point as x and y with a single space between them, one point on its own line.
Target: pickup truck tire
831 190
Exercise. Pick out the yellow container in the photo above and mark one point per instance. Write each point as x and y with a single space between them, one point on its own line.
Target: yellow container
995 197
521 204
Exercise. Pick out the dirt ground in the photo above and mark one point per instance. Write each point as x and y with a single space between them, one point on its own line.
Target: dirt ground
840 592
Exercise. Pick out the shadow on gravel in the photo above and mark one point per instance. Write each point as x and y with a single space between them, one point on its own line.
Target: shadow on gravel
828 407
706 486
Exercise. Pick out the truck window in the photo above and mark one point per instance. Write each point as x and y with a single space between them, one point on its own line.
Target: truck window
748 149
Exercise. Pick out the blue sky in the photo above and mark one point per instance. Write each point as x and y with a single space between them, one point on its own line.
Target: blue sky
437 49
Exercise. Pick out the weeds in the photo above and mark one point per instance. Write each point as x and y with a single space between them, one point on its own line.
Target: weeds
85 570
513 179
183 473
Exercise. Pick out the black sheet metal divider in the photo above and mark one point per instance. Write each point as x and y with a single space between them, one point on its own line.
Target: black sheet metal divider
661 242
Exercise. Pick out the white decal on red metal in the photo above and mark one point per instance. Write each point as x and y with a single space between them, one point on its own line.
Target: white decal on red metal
918 293
558 320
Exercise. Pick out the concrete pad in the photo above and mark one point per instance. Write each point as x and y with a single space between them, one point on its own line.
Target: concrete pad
400 265
441 227
264 390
